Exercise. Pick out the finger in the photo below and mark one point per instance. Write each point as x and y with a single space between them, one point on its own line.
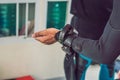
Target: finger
42 39
46 39
50 41
40 33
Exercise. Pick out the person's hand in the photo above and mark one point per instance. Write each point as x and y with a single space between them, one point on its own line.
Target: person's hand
46 36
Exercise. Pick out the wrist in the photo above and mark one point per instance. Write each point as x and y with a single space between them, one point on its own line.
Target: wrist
57 36
67 44
69 39
61 35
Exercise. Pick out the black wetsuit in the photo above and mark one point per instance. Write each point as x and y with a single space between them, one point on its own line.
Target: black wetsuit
107 48
90 18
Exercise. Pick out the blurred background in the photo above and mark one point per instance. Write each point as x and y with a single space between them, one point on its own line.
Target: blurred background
20 54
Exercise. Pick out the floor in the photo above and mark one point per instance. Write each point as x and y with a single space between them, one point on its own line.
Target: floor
92 74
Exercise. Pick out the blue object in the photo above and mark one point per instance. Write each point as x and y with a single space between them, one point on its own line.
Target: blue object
103 74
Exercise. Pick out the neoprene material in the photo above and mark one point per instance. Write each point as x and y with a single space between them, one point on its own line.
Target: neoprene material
77 71
109 43
106 73
92 19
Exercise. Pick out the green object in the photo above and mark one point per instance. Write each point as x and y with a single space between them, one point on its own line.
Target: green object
7 19
56 14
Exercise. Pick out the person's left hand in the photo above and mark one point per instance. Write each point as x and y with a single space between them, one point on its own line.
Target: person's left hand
46 36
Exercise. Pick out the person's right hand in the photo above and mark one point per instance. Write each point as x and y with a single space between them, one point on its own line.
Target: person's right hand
46 36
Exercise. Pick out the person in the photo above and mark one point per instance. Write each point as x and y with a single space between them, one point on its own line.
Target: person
89 20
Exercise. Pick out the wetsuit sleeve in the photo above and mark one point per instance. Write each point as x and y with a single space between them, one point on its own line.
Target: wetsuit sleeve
107 48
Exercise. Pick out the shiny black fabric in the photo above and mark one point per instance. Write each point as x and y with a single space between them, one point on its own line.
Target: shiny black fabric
107 48
90 17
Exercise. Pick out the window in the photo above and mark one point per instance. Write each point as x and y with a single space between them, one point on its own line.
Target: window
17 19
22 19
56 14
7 19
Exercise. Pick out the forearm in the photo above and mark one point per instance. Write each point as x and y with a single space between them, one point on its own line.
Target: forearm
90 48
107 48
104 50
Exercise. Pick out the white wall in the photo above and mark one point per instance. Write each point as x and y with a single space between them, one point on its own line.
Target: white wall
31 58
19 56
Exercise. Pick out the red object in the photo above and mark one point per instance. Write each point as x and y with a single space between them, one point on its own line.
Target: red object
25 78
